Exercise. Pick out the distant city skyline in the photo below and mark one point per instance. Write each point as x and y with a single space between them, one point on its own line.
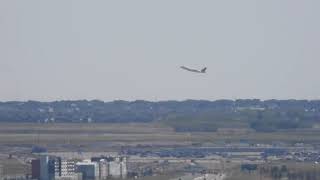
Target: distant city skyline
133 50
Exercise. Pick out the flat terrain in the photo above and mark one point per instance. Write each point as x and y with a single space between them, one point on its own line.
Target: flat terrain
132 134
18 139
76 128
13 167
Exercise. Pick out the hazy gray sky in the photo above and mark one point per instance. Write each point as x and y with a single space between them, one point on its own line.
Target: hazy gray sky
63 49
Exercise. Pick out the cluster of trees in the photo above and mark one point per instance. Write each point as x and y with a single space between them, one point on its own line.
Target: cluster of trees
190 115
266 120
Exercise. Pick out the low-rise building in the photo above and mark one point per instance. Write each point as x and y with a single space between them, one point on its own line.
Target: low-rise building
52 168
88 169
35 169
1 171
103 169
65 168
115 167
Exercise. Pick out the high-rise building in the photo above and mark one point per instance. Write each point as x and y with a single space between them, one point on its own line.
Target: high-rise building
44 169
47 167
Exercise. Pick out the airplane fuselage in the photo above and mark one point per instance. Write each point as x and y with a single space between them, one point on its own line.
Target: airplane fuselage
194 70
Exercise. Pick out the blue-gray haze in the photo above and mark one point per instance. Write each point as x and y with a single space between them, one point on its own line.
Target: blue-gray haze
63 49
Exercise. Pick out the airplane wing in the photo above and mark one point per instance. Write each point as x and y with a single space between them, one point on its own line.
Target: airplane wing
188 69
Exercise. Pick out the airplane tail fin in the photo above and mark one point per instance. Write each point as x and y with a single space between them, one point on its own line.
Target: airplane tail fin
204 70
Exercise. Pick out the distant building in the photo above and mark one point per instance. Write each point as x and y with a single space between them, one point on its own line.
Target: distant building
88 169
124 170
47 168
65 168
1 171
35 169
115 167
44 169
118 168
56 168
103 169
52 168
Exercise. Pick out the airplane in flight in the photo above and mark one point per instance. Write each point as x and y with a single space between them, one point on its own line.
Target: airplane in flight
194 70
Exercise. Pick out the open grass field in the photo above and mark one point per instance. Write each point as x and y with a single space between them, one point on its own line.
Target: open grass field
28 133
76 128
